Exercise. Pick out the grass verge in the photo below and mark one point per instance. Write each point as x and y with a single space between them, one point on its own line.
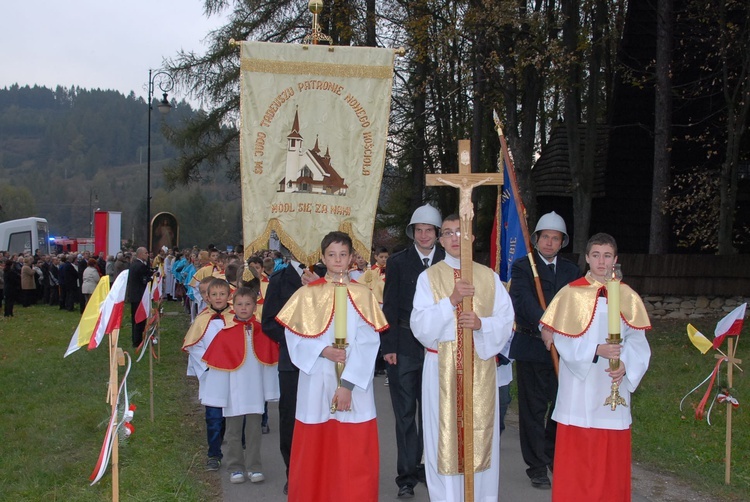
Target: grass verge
674 441
54 414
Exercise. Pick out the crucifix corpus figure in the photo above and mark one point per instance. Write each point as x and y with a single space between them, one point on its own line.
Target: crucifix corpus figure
464 317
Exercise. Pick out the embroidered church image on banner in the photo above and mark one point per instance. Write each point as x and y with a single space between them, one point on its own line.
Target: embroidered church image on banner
313 138
307 171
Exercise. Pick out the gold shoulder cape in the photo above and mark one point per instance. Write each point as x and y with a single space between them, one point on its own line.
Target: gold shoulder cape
571 311
199 326
309 312
374 280
450 356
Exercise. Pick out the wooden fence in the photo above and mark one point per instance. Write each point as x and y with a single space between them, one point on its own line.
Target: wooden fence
685 275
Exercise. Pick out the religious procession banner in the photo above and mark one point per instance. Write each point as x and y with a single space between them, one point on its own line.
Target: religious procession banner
314 124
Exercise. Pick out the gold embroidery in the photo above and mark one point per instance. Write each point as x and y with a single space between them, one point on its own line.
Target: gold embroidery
485 384
254 65
274 224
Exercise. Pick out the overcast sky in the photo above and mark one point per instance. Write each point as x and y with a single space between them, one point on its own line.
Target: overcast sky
104 44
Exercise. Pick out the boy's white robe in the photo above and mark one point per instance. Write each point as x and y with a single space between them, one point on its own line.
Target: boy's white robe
317 378
584 384
196 365
245 390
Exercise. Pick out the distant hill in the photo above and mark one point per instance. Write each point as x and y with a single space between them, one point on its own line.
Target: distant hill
75 150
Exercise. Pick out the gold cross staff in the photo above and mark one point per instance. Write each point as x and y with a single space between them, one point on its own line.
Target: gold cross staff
466 181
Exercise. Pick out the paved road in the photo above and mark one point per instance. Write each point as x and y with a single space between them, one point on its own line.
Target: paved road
514 484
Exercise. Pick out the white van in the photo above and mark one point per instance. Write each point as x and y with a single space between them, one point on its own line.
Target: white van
24 235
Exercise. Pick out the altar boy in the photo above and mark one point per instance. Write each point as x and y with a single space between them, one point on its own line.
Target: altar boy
592 446
335 444
242 377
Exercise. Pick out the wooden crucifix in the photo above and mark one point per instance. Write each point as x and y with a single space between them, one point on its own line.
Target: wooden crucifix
466 181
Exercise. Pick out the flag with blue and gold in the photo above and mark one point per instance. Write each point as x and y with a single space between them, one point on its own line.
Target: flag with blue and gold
511 236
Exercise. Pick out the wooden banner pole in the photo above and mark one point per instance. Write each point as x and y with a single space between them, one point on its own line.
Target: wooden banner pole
116 359
728 446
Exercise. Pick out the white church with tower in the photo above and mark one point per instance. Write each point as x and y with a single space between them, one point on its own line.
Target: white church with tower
307 171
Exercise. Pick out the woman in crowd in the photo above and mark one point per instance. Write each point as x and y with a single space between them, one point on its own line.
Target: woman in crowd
28 282
90 280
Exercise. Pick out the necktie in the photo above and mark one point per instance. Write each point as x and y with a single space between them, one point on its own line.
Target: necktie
426 262
552 268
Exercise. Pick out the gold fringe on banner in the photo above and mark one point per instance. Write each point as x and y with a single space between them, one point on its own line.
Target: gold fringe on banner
323 69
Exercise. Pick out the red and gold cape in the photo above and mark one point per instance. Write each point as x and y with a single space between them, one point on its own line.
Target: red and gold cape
309 312
228 350
571 311
199 326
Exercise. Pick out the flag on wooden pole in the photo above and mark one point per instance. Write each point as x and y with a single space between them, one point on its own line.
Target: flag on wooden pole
698 339
730 325
102 315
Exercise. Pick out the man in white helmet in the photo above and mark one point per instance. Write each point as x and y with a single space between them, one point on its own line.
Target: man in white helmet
535 374
403 353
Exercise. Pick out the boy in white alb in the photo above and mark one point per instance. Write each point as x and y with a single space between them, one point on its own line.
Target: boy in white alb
592 446
334 454
203 330
440 324
242 377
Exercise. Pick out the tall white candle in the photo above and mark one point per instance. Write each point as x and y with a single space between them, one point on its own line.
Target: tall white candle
339 312
613 306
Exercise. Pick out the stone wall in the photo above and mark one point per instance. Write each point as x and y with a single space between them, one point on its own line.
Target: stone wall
690 307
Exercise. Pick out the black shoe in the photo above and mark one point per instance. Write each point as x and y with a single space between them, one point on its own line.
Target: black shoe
286 488
406 492
541 482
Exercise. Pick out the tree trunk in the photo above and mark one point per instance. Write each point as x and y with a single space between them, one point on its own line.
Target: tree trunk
660 230
572 114
728 186
736 93
419 103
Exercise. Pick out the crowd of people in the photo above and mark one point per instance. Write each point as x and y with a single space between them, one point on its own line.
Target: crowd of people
63 280
269 328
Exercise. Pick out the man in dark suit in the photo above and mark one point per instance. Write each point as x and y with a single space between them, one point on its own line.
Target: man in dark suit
535 374
68 283
138 277
281 286
81 264
403 353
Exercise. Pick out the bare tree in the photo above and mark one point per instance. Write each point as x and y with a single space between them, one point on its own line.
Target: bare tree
660 231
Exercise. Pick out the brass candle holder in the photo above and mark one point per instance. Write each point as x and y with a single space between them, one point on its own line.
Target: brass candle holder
614 277
339 324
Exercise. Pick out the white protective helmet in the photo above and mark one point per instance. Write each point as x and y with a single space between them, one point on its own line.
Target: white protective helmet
426 214
551 221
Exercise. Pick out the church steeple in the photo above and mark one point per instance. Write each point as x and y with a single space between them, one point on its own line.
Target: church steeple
316 148
295 127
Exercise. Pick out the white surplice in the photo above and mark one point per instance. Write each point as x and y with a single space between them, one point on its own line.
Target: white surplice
317 378
245 390
584 384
